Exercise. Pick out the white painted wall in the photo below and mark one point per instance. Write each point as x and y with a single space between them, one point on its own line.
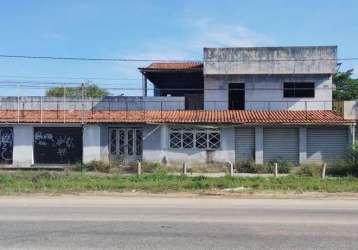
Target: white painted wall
265 92
23 146
91 143
350 109
156 148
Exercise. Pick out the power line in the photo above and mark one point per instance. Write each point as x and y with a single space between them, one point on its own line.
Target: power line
87 58
166 60
72 78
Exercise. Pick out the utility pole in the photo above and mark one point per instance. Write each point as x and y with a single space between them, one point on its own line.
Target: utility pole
82 101
64 103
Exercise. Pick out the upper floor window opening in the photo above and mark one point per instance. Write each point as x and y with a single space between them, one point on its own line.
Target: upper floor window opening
298 89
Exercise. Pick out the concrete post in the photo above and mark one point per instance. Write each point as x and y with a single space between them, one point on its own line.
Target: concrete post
302 145
259 145
352 132
139 168
184 169
324 170
231 168
164 141
276 170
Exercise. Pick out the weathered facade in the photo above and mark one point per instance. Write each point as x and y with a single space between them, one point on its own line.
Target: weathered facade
239 104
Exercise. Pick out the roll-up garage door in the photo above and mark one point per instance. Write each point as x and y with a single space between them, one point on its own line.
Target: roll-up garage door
57 145
281 143
327 144
244 144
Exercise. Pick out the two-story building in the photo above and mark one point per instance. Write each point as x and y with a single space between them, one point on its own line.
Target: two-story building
238 104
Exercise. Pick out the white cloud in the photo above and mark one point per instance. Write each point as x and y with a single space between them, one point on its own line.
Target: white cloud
56 36
209 33
200 33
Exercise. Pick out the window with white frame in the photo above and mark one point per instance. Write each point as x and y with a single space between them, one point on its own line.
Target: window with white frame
188 138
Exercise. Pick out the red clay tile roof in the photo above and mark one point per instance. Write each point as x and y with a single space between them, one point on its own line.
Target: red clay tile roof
179 116
175 66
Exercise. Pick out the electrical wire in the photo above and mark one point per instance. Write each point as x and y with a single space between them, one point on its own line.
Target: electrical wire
167 60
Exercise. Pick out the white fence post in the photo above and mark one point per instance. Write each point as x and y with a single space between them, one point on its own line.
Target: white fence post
184 169
276 169
324 170
231 166
139 168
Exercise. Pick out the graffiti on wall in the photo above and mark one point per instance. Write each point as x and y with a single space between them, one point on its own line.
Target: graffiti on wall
6 145
57 145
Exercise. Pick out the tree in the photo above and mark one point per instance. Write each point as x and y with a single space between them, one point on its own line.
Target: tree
91 90
346 86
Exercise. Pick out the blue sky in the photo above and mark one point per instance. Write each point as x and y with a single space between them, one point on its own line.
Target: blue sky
158 29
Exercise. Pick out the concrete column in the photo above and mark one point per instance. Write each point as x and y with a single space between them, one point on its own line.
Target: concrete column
352 134
91 143
23 146
145 85
164 141
259 145
164 137
104 143
302 142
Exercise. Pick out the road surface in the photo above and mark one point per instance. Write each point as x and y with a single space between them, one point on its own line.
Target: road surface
116 222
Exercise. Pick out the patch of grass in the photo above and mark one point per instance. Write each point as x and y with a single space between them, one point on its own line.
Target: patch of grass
160 181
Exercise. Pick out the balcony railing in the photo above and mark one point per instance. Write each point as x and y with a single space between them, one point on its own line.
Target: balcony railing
67 110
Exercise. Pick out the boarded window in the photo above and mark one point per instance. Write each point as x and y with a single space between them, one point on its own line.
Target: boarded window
57 145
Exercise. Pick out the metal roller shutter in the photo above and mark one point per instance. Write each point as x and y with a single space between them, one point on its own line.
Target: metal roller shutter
244 144
326 144
281 143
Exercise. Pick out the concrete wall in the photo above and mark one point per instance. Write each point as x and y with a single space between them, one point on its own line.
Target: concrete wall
270 60
349 109
91 143
265 92
106 103
23 145
156 144
156 148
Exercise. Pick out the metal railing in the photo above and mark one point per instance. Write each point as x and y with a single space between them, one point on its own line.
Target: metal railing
84 110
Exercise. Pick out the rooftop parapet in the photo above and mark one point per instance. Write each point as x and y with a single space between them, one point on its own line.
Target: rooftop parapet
270 60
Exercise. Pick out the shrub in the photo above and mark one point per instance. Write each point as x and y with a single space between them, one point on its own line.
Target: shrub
247 167
309 170
149 167
284 166
98 166
352 159
340 168
214 167
251 167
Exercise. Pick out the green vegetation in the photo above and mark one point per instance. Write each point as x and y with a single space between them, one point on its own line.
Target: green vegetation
160 181
346 86
284 167
91 90
100 176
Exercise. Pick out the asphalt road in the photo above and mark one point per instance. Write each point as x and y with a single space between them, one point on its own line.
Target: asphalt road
176 223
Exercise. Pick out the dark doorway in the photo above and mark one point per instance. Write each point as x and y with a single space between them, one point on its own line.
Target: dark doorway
237 96
57 145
